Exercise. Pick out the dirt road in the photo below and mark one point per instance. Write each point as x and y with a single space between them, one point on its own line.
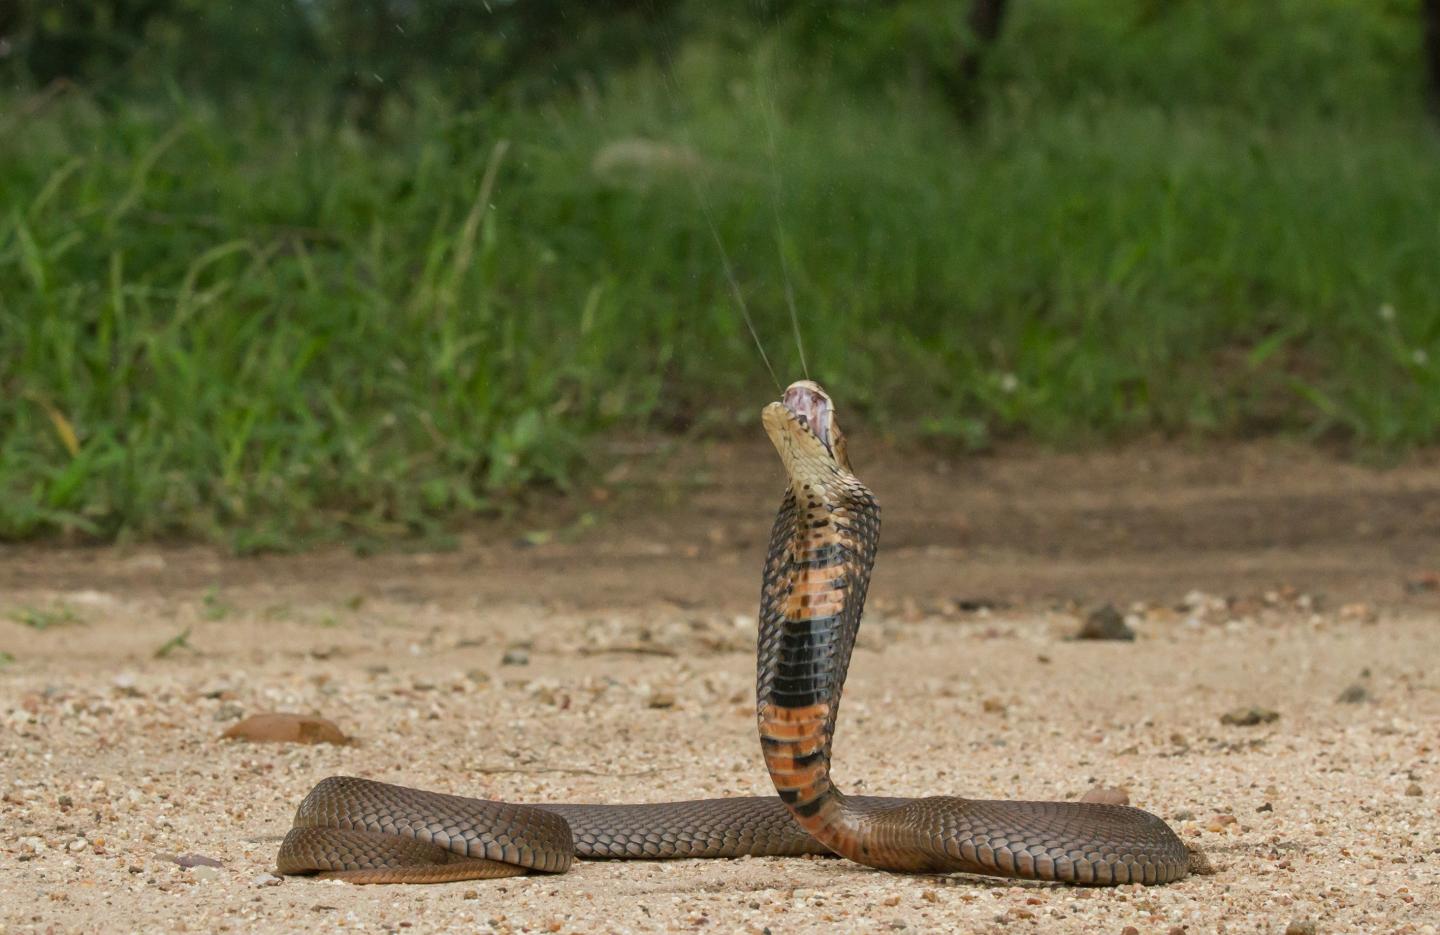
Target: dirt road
608 657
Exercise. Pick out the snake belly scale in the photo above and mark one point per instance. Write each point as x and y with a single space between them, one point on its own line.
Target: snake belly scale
817 570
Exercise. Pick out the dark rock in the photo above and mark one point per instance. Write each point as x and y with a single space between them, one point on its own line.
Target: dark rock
1354 694
1105 623
1249 717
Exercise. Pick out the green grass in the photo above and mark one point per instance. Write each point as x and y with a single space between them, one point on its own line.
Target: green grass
245 322
42 618
179 641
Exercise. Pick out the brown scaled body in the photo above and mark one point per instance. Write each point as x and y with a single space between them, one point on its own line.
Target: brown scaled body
817 570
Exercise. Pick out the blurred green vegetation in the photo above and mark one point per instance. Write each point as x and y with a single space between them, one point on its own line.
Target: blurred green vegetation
286 271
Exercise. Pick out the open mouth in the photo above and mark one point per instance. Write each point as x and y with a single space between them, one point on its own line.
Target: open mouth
809 403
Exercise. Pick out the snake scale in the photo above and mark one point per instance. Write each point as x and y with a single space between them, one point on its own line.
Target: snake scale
816 574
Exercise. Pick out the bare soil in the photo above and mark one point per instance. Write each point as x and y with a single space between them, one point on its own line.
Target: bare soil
1258 575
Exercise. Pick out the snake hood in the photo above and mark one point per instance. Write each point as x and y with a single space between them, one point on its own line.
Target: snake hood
804 430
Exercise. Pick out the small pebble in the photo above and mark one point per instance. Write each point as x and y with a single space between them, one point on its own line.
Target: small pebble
191 860
1354 694
1300 927
1414 790
516 656
229 711
286 727
1249 717
1358 611
1220 823
661 699
267 879
1107 795
1105 623
126 683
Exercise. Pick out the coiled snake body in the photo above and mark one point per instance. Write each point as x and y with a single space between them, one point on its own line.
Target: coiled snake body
816 573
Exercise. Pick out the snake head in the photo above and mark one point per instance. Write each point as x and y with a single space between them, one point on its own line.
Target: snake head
803 428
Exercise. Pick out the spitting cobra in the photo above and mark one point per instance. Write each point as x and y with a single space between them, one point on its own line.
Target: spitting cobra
817 571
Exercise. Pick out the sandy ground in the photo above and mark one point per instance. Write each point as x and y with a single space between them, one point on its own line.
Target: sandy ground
1256 576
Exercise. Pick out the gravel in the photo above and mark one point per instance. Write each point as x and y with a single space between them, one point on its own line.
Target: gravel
111 762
